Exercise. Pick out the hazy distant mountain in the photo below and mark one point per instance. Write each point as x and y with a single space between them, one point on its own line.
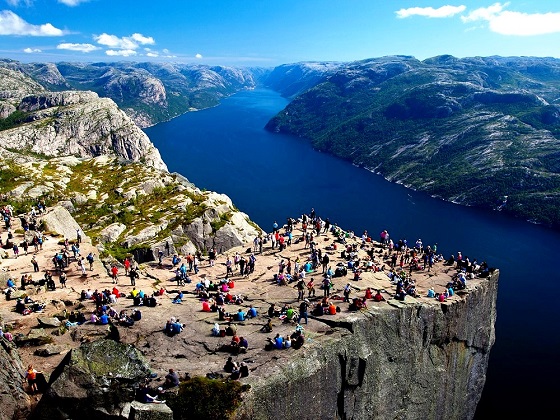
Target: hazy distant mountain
147 92
468 130
292 79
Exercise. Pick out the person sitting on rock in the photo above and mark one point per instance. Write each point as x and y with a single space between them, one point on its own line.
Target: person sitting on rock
216 330
20 306
230 365
240 316
144 395
178 298
268 326
252 312
104 319
378 296
243 370
243 345
171 379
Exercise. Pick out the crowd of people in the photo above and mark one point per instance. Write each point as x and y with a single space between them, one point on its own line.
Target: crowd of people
326 254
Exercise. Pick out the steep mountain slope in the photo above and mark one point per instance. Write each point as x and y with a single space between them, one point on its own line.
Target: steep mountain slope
68 123
468 130
148 92
292 79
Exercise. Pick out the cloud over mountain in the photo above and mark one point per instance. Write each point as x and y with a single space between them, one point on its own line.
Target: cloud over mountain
12 24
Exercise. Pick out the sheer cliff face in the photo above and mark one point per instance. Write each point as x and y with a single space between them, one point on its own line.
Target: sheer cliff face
15 402
79 124
414 361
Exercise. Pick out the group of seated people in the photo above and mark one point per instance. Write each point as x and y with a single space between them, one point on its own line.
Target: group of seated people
105 314
325 307
173 326
139 298
286 313
27 305
294 340
237 371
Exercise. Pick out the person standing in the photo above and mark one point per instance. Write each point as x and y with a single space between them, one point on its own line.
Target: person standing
90 259
31 376
303 308
114 273
78 236
35 264
63 279
126 266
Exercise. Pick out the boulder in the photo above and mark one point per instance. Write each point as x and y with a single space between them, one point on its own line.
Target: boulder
36 337
96 379
49 322
112 232
50 350
140 411
68 205
59 220
14 400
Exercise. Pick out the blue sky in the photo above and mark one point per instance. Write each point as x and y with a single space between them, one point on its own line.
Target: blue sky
272 32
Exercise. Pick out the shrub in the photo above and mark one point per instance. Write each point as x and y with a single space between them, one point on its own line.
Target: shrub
203 398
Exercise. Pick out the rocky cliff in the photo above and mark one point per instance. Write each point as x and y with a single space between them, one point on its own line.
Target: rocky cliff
78 124
148 92
15 401
413 361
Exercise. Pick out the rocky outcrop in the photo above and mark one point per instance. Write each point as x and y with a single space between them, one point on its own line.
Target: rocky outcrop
414 361
15 401
79 124
59 220
95 381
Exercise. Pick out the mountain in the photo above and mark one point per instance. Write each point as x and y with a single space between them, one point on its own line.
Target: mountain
476 131
148 92
292 79
75 148
68 123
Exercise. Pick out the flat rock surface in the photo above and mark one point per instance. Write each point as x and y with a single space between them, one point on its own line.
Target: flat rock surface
194 351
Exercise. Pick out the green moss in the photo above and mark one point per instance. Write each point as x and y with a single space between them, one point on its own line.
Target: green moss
203 398
221 222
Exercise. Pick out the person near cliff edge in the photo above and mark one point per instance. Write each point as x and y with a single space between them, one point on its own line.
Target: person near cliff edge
31 376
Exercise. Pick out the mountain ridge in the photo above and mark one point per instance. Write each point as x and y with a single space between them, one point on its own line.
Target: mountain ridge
471 131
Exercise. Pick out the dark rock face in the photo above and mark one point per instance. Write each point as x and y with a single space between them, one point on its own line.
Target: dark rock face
95 381
14 401
413 362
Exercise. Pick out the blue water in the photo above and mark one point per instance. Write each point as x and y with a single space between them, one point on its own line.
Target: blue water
272 176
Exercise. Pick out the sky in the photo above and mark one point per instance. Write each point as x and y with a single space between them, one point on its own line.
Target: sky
272 32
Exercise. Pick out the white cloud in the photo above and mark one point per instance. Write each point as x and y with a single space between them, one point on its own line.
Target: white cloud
125 46
31 50
505 22
430 12
198 56
12 24
166 51
143 40
152 54
72 3
85 48
121 53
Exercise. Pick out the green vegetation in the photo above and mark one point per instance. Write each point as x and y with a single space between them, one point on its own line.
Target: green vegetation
203 398
12 120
